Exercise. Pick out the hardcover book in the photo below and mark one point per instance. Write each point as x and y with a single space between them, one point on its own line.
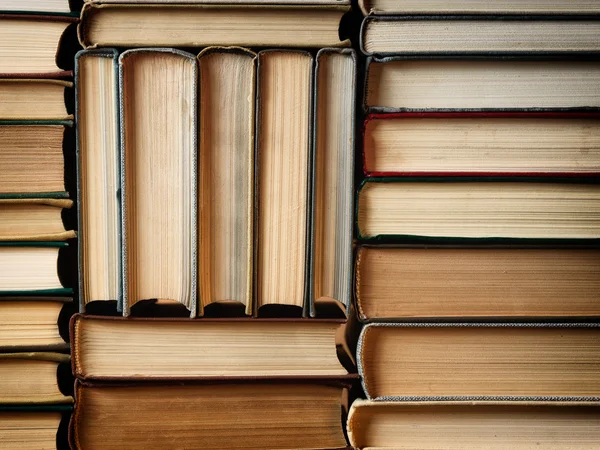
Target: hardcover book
484 208
31 378
473 425
201 25
490 143
258 415
158 174
175 349
22 56
473 361
283 177
466 83
98 158
31 268
401 283
226 177
33 219
483 35
33 427
32 161
445 7
333 178
34 99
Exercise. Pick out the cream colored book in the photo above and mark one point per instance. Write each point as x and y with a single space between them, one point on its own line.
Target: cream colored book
29 430
198 25
31 99
98 171
333 181
29 43
31 378
444 425
479 35
33 219
48 6
158 348
226 177
284 121
478 209
454 361
454 84
158 156
400 7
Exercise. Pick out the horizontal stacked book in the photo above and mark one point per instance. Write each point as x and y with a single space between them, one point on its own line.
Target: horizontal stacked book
35 136
478 217
216 166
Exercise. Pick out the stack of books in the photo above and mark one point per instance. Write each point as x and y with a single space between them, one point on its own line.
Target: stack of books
216 167
479 221
35 125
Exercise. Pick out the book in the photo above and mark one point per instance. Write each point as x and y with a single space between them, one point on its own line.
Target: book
155 348
473 425
158 101
484 35
483 208
32 161
205 25
33 219
283 156
283 415
226 176
31 378
32 323
36 6
450 282
333 178
34 99
431 143
22 56
31 268
32 428
396 84
98 159
503 361
545 7
229 2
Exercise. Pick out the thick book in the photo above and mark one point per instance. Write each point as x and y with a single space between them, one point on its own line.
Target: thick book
466 83
29 45
33 219
545 7
32 161
479 35
256 415
444 425
34 427
31 268
490 143
333 178
31 378
33 323
283 172
34 99
473 361
201 25
99 181
158 90
226 177
229 2
161 349
482 208
450 283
